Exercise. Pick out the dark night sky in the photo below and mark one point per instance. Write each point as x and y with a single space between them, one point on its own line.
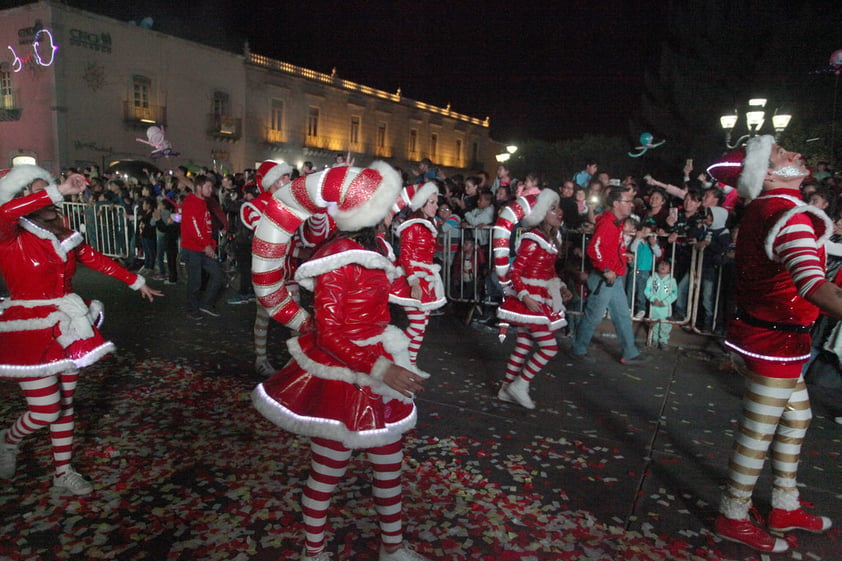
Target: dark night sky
537 69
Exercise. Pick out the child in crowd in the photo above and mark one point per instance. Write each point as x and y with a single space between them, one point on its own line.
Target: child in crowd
481 218
661 291
645 248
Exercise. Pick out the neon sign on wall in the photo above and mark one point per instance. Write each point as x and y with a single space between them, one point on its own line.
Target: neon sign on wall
44 57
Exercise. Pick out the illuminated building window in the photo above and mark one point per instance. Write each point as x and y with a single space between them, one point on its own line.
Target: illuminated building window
313 122
475 152
413 141
354 133
6 100
434 145
141 87
381 135
458 149
276 115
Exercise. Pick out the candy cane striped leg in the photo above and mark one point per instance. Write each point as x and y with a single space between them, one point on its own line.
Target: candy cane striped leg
43 401
328 464
523 346
418 320
547 349
387 462
61 431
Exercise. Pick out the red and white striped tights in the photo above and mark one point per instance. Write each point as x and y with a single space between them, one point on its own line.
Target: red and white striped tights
328 463
526 339
49 401
418 320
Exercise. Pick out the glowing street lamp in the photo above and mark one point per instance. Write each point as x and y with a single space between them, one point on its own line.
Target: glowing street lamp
755 117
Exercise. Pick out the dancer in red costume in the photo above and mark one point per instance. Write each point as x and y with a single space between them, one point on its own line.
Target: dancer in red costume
421 289
780 288
350 383
535 299
48 331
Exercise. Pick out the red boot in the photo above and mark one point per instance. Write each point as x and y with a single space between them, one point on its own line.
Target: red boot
781 520
746 533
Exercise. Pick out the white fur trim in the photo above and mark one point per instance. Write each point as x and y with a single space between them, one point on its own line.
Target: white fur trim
394 342
422 194
755 166
44 234
19 177
55 194
536 215
308 271
138 282
375 208
73 317
275 173
412 221
328 428
539 239
734 509
530 319
786 499
800 206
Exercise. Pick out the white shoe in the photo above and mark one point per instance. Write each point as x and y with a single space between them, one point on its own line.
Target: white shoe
73 482
402 554
519 392
639 315
503 394
8 457
263 367
323 556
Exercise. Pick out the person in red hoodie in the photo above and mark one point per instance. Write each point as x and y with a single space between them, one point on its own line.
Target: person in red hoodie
607 252
198 249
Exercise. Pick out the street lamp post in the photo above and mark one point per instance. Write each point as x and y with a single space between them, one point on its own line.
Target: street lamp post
506 156
755 117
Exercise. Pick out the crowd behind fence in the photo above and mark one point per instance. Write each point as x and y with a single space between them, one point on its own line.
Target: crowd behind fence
108 228
705 296
467 267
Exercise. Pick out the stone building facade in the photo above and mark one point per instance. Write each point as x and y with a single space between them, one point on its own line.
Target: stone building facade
79 89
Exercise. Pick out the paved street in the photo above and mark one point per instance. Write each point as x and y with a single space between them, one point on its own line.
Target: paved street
615 463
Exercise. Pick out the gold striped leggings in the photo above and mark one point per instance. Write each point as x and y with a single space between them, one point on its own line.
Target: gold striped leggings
776 413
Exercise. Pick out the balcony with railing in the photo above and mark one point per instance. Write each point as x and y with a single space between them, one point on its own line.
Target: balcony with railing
10 110
225 127
275 136
322 142
143 117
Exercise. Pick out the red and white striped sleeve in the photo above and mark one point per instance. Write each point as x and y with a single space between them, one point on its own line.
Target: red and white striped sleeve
796 247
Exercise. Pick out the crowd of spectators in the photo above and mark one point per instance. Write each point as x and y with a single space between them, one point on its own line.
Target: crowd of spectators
691 226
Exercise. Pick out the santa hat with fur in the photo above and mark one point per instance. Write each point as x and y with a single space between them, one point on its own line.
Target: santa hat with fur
269 172
414 196
529 211
745 168
14 180
546 199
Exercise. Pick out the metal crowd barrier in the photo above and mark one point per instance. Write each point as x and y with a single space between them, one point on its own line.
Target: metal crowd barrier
473 287
107 228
